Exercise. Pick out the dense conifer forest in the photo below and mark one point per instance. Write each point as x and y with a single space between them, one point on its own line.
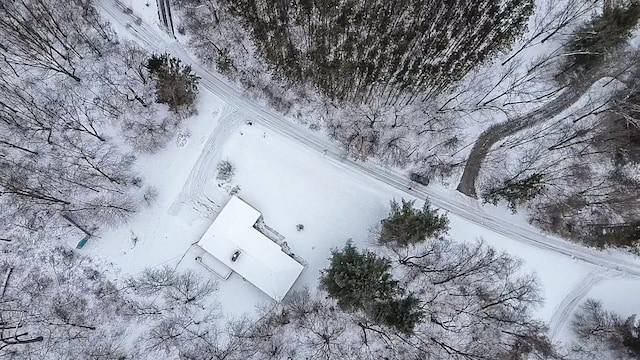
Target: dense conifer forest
401 50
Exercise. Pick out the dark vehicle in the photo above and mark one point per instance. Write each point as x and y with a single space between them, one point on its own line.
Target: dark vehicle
420 179
235 256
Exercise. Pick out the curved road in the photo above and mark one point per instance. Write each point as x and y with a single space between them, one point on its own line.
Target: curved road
154 40
499 131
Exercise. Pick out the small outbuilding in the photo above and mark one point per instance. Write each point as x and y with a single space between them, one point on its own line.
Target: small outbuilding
234 241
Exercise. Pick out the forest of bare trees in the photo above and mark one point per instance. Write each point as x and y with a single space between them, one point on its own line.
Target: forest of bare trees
77 106
70 95
578 173
60 305
603 334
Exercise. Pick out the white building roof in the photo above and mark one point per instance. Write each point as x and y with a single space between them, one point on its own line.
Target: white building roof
261 261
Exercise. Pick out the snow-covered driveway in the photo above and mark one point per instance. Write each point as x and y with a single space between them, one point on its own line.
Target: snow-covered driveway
193 194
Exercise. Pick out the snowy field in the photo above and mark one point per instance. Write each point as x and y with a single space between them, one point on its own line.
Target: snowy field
291 183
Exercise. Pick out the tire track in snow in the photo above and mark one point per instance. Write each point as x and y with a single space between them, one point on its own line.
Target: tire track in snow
565 310
204 170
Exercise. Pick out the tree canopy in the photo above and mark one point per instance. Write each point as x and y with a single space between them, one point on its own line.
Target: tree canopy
361 281
356 279
176 84
407 225
591 43
601 333
353 49
516 192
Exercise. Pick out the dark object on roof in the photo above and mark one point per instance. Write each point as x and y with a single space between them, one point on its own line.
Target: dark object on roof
420 179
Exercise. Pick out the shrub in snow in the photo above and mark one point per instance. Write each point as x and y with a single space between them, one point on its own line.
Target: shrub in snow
225 170
233 190
150 195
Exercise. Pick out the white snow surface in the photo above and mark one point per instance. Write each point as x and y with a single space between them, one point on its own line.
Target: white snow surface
294 176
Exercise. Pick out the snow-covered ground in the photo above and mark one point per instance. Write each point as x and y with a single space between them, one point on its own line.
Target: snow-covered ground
146 9
288 174
290 184
617 295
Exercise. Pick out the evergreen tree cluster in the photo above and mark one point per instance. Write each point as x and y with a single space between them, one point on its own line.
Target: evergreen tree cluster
407 225
596 39
516 192
176 84
361 281
425 298
354 50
